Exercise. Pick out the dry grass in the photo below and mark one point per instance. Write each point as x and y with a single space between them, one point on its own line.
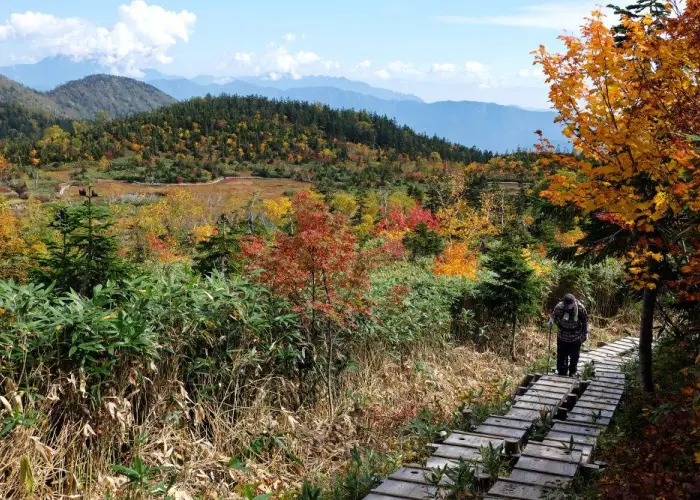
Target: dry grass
241 189
159 422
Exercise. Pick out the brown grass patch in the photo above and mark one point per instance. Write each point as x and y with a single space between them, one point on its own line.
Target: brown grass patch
239 189
373 402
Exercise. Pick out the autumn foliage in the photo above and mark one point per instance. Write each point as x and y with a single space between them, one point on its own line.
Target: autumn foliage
317 265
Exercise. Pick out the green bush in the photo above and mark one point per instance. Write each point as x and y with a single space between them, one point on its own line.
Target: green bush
412 304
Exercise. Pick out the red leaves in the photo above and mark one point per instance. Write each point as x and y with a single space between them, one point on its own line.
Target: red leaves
398 220
317 267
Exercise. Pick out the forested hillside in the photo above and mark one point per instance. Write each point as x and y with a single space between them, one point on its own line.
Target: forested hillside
84 99
117 96
198 139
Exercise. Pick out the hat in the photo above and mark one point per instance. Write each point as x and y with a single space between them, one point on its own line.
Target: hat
569 300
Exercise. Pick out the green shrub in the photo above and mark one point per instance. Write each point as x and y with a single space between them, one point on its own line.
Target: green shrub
412 304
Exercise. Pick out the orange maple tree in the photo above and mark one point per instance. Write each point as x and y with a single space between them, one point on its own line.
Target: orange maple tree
631 108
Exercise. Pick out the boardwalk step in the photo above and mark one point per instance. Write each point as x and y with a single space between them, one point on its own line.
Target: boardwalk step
548 466
403 489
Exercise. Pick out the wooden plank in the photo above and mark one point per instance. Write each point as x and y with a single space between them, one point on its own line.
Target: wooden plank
608 390
586 405
505 421
539 399
404 489
602 384
547 385
585 449
457 452
506 432
470 440
418 475
584 430
530 415
594 393
611 381
440 462
588 411
609 375
533 406
566 437
538 478
548 466
551 453
516 490
586 419
557 379
588 398
557 393
377 496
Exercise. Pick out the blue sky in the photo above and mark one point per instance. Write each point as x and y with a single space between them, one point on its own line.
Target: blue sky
438 50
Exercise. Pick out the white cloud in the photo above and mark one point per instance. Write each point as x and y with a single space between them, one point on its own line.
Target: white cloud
244 57
557 16
365 64
290 37
444 68
474 67
278 62
143 34
383 74
307 57
534 72
403 68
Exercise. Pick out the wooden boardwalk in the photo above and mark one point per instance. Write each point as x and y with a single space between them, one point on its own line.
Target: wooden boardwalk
581 411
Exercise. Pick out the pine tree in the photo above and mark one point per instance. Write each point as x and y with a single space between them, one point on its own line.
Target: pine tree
423 242
221 252
84 254
511 291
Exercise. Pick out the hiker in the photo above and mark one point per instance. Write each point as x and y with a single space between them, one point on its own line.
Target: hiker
572 320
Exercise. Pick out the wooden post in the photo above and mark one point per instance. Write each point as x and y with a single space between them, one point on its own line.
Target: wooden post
561 413
589 470
536 377
512 447
519 391
571 399
484 481
468 418
527 379
584 385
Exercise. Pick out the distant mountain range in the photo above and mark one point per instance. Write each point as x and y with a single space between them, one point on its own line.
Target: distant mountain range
485 125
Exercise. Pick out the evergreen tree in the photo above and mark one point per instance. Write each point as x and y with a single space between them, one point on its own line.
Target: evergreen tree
221 252
474 187
511 291
657 10
84 254
423 242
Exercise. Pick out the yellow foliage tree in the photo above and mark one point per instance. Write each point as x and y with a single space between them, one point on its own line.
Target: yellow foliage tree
631 107
344 203
278 210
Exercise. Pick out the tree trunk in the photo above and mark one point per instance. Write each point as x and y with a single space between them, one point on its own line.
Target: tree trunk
646 335
512 345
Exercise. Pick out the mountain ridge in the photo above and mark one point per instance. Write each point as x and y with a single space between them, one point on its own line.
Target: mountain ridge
83 99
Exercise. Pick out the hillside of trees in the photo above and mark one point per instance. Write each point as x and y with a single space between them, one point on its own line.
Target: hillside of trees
84 99
199 139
